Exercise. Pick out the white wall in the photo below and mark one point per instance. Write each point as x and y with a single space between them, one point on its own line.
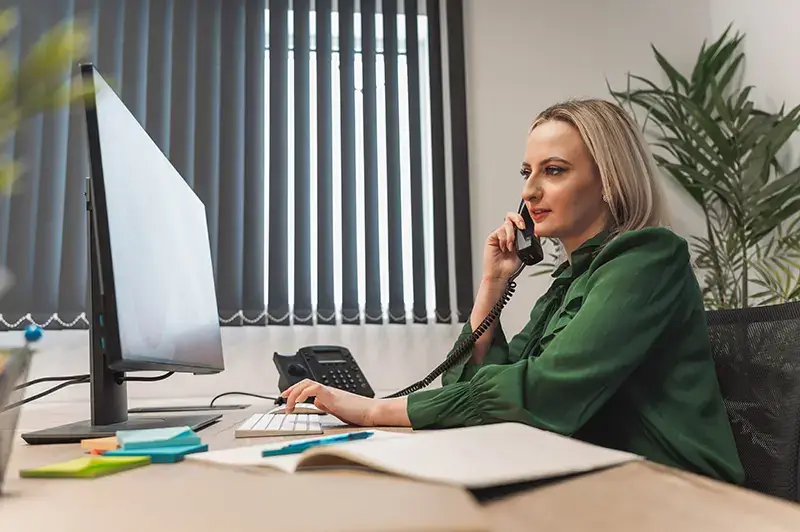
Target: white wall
771 46
523 55
772 51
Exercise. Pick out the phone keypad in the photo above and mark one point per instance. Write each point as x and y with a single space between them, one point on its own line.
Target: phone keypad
341 377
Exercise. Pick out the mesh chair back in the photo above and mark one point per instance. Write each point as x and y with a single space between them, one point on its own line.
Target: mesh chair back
757 354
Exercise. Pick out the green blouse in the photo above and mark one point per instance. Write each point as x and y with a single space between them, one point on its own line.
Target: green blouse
616 353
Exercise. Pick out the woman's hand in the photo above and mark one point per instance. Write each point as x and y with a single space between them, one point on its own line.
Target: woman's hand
349 407
500 258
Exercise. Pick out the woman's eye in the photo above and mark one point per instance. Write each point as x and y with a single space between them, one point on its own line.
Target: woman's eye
525 173
553 170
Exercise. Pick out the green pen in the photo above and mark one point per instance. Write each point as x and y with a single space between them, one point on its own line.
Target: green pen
299 447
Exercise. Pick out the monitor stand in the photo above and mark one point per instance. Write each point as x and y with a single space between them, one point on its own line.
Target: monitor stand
109 411
109 394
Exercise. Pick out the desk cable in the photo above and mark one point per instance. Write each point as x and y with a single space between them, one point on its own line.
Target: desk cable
248 394
69 380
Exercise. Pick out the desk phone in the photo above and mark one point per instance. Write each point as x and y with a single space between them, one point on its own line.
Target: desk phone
327 364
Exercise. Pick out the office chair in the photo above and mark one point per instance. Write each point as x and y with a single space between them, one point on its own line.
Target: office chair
757 355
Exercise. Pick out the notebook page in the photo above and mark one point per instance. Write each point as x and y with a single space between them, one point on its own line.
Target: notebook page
476 457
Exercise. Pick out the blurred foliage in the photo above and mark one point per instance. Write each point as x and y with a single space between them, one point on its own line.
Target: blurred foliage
40 82
709 136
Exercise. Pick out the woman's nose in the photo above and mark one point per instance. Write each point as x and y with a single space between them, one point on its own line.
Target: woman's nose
531 192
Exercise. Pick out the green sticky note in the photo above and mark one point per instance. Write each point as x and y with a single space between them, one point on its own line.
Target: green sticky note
87 467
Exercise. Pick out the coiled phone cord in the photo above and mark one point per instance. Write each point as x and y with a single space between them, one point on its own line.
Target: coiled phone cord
463 348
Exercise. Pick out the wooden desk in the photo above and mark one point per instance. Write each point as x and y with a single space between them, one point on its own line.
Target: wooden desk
194 497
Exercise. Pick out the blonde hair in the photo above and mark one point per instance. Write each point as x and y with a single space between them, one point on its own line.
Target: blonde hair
626 166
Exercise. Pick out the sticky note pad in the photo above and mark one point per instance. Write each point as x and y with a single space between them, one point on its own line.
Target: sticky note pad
100 444
161 455
152 438
88 467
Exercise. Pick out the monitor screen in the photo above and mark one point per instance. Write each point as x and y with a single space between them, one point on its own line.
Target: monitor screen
163 288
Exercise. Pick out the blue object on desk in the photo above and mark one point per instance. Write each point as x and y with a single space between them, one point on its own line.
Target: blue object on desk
152 438
300 446
161 455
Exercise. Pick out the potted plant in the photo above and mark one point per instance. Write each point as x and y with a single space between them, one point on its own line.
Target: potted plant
709 136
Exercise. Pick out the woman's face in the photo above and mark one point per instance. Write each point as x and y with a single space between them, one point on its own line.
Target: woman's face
562 190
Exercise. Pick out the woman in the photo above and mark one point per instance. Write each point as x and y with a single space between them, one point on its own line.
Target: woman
616 352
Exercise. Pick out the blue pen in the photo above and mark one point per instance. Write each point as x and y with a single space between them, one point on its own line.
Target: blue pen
299 447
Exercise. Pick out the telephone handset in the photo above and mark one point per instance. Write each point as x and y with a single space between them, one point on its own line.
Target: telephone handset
335 366
529 249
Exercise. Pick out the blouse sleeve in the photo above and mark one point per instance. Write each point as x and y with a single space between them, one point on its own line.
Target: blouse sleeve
499 352
634 288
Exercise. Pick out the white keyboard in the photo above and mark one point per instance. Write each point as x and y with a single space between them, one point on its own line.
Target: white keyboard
268 424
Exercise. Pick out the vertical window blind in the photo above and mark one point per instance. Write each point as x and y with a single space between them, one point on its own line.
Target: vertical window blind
367 187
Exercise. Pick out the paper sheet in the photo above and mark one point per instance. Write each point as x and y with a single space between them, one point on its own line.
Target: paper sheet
479 457
471 457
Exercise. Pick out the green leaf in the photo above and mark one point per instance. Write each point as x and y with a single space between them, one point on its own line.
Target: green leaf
9 20
732 69
41 82
675 78
720 106
790 181
45 69
10 171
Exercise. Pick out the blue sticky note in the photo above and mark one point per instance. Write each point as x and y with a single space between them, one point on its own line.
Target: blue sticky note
161 455
153 438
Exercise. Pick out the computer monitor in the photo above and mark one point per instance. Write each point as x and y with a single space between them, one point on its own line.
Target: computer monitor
153 298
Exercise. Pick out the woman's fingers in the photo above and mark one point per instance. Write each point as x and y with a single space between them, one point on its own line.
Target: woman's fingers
308 391
285 393
510 235
501 238
319 403
516 219
293 392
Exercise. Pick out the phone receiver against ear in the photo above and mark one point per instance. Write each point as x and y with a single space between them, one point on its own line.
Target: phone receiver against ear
529 249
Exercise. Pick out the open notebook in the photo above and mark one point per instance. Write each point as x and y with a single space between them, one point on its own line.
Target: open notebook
471 457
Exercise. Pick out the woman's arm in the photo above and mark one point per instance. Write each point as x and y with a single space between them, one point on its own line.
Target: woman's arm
488 294
390 413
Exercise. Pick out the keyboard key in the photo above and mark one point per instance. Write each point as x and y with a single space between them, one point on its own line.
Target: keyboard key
259 425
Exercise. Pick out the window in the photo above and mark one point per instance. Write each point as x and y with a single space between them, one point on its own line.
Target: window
382 177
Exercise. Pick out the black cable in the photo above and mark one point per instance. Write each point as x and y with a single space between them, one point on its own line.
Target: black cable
462 349
51 379
149 379
86 376
45 393
268 398
70 380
